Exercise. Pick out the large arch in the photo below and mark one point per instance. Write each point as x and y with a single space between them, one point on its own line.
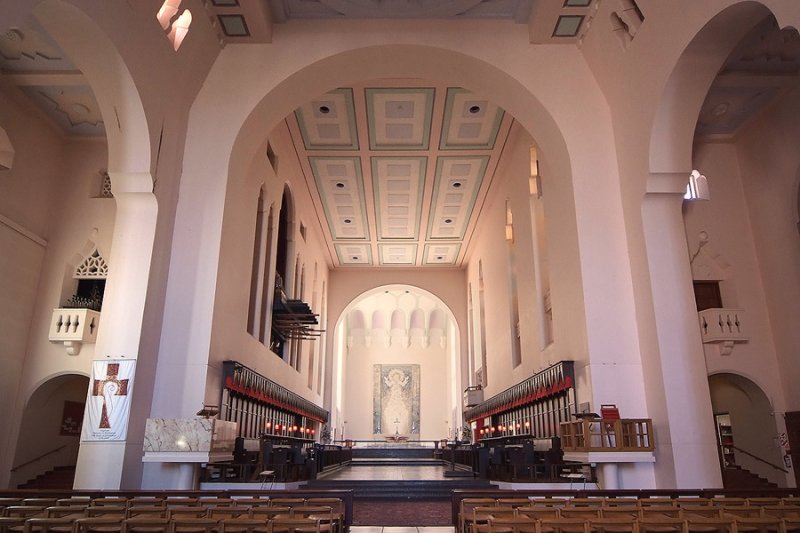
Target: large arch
82 35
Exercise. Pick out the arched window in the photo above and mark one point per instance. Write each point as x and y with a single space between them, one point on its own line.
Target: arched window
259 277
278 343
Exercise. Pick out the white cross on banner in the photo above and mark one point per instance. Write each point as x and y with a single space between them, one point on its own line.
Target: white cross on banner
109 400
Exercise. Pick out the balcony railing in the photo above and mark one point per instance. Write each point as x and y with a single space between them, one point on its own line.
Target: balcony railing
721 325
607 435
74 327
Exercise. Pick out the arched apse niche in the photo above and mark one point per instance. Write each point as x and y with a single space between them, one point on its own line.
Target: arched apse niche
752 428
49 434
384 389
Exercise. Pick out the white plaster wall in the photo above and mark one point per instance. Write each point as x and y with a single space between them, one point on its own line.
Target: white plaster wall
229 336
770 175
433 412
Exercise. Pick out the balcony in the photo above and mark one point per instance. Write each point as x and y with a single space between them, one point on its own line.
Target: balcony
607 435
74 327
723 327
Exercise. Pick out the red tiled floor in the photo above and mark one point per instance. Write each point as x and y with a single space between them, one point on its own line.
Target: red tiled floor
402 513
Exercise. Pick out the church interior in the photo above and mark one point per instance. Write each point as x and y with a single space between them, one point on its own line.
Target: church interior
531 242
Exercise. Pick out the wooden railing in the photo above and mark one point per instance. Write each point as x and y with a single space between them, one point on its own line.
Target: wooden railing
607 435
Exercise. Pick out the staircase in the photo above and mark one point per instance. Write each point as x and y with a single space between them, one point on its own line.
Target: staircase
736 477
61 477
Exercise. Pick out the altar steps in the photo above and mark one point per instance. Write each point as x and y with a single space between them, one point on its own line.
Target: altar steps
401 490
395 461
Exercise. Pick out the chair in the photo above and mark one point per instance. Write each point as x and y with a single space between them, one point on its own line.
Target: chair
782 511
623 512
270 513
548 502
512 502
763 502
12 524
232 511
186 524
288 502
656 501
622 501
43 502
243 525
742 510
294 525
145 511
692 500
146 524
337 508
511 524
110 523
466 506
586 502
728 501
658 512
761 524
701 511
189 511
584 513
110 500
618 524
564 525
698 524
74 500
143 501
96 511
181 501
662 525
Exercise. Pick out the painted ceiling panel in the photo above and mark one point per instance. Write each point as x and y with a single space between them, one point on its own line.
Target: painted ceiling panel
341 189
399 119
470 122
354 253
398 184
456 186
398 254
328 122
441 253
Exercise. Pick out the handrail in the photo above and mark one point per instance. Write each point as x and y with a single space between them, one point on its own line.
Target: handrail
39 457
757 458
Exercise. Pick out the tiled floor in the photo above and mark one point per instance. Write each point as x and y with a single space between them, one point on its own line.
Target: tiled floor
396 529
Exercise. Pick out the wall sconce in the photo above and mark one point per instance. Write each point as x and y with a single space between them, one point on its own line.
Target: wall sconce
697 188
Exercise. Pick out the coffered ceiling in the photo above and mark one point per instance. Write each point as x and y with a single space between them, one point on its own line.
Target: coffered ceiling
399 169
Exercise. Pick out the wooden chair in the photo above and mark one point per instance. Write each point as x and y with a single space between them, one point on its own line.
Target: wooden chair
12 524
742 510
763 501
624 512
584 513
548 502
619 524
193 525
781 511
656 501
622 501
564 525
181 501
692 500
111 523
337 509
110 500
586 502
40 502
231 511
55 524
270 513
701 524
189 511
656 524
96 511
466 505
146 524
147 511
658 512
701 511
791 524
513 502
761 524
511 524
288 502
74 500
539 513
727 501
147 501
243 525
294 525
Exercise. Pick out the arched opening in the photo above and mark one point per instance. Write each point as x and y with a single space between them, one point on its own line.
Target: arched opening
283 271
49 436
401 350
746 432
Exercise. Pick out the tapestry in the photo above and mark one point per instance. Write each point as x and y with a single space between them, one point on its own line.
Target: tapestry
109 400
71 418
395 400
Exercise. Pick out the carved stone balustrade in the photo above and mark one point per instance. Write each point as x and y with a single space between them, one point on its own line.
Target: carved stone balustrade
723 326
74 327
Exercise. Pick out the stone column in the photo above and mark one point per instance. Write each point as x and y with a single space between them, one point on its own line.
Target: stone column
678 397
100 463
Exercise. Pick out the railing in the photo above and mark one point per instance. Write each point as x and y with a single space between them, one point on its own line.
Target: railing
722 325
607 435
757 458
74 327
39 457
388 442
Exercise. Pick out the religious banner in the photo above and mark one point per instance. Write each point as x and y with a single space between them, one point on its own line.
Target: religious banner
109 400
395 401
